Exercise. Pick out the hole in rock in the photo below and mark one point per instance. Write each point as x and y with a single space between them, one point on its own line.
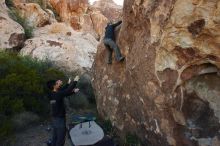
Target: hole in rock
196 27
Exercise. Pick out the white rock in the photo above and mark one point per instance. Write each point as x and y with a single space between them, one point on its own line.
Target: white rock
12 33
59 43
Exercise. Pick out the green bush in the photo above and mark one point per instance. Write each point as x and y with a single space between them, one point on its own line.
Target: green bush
78 101
110 130
10 106
22 86
107 127
14 14
23 120
132 140
5 128
85 86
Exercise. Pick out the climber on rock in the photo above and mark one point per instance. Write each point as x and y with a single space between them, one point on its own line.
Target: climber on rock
56 97
109 42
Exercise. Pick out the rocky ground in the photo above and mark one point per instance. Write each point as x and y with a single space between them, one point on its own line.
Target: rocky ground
37 135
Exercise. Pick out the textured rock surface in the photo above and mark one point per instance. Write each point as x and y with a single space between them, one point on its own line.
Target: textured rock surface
57 42
34 14
94 23
109 9
167 90
68 9
84 17
67 49
12 33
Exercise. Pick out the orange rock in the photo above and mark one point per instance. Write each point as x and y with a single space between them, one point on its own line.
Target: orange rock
70 10
86 18
109 9
172 56
34 14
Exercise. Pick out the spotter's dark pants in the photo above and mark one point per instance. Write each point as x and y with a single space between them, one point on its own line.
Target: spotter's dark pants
59 131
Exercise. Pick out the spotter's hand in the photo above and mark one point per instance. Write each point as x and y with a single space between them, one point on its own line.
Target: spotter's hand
76 90
76 78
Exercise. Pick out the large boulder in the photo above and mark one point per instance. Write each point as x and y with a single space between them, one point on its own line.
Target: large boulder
99 22
12 33
34 15
83 17
109 9
60 44
70 10
166 91
67 10
94 23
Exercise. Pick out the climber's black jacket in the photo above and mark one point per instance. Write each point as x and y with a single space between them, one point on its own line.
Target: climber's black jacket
109 30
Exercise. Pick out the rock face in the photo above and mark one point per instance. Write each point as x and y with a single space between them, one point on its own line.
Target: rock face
67 49
86 18
94 23
68 10
12 33
109 9
34 14
166 91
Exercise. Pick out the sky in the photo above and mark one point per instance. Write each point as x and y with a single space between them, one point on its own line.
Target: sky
119 2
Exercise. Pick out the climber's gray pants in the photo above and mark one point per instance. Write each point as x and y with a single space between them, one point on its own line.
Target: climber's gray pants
111 45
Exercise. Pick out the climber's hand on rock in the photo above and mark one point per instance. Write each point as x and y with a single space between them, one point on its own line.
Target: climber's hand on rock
76 78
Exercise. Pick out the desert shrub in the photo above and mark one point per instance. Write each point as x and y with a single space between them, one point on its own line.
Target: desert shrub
85 98
85 86
5 128
132 140
22 86
78 101
107 127
23 120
